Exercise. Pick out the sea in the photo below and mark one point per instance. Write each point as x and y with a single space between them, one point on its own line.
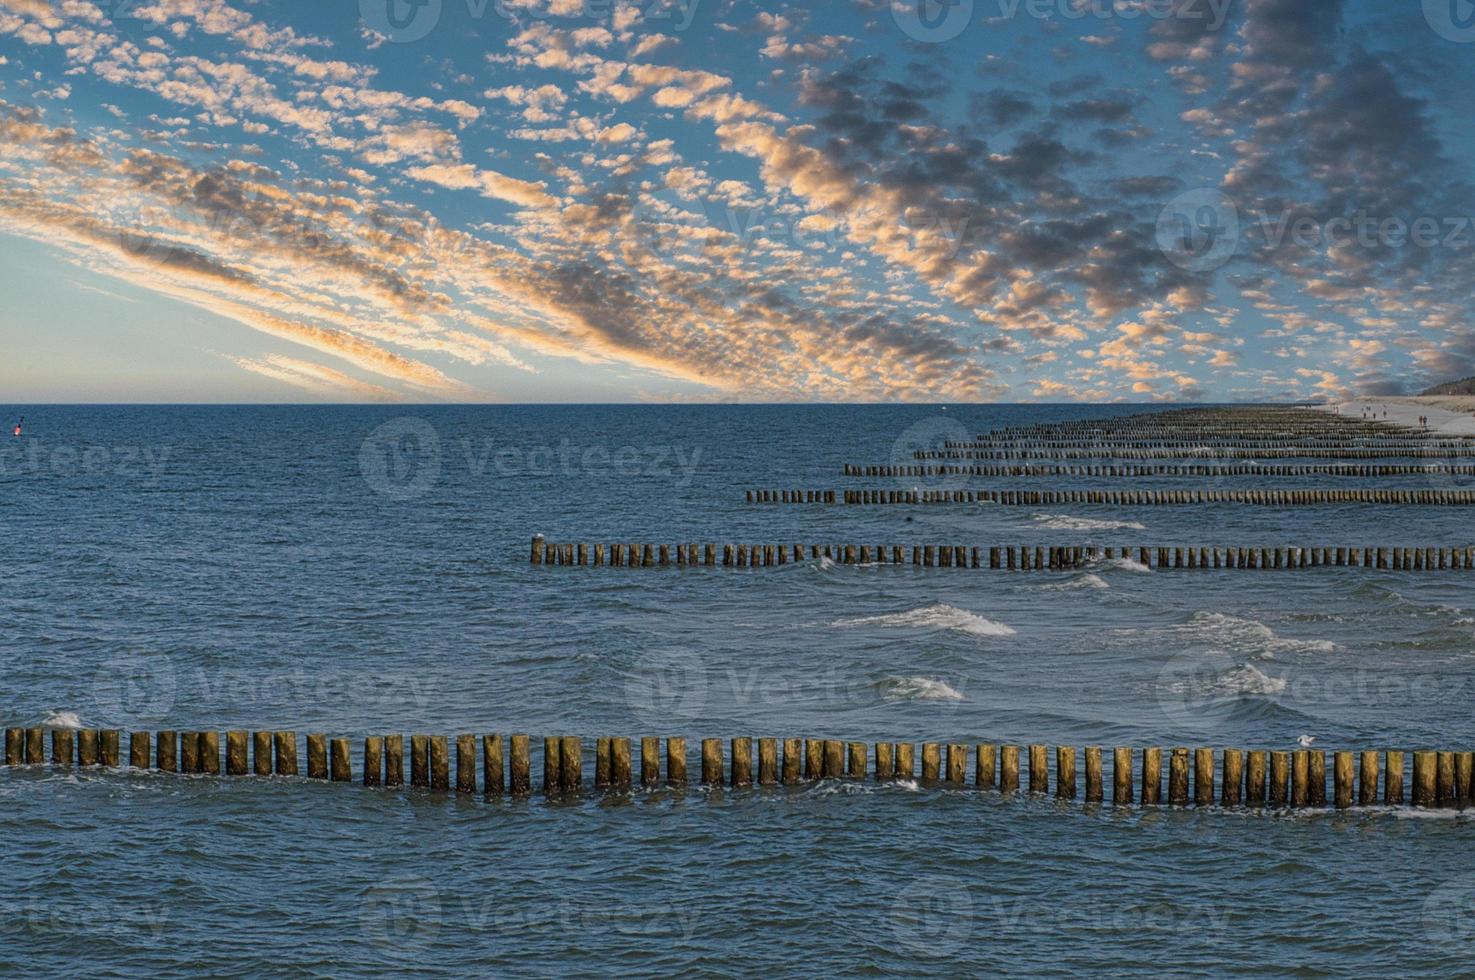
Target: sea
365 570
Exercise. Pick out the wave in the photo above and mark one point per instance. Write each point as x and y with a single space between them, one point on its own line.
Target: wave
1250 635
1124 565
62 719
917 689
939 615
1087 581
1064 522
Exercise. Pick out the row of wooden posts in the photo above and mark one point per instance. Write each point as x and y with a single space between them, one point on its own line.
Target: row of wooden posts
1198 442
1025 451
1005 557
1265 421
1296 778
1165 469
1121 498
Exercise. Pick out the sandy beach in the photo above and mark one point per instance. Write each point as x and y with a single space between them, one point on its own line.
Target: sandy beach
1451 414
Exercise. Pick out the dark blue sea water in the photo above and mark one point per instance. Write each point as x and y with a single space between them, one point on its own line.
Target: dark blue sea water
363 570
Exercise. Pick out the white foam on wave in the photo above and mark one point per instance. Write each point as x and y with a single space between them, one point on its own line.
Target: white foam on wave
1064 522
1125 565
62 719
1087 581
918 689
1241 680
1249 635
939 615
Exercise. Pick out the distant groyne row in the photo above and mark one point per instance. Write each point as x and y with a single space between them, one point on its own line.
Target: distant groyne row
494 765
1002 557
1126 471
1122 498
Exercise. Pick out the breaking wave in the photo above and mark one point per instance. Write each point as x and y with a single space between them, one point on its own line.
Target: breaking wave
917 689
939 615
1064 522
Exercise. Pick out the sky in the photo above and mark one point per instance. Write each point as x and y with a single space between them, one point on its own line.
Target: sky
717 200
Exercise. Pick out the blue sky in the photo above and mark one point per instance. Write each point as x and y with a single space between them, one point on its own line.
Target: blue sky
705 200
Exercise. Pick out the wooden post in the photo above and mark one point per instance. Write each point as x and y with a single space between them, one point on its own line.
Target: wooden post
1393 778
650 761
394 761
1255 778
373 760
1121 775
814 760
209 752
957 763
885 762
109 749
1178 777
571 763
63 747
834 759
985 774
552 772
1464 773
519 766
1229 795
855 763
906 766
139 749
493 774
711 762
620 775
15 751
465 762
166 753
675 761
317 756
1367 783
1318 778
86 747
260 751
1039 775
1203 777
1424 779
768 762
189 752
420 761
1152 776
342 770
1343 779
793 761
931 762
1300 777
742 762
1009 769
1280 770
1094 790
286 748
1065 772
601 762
1444 789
